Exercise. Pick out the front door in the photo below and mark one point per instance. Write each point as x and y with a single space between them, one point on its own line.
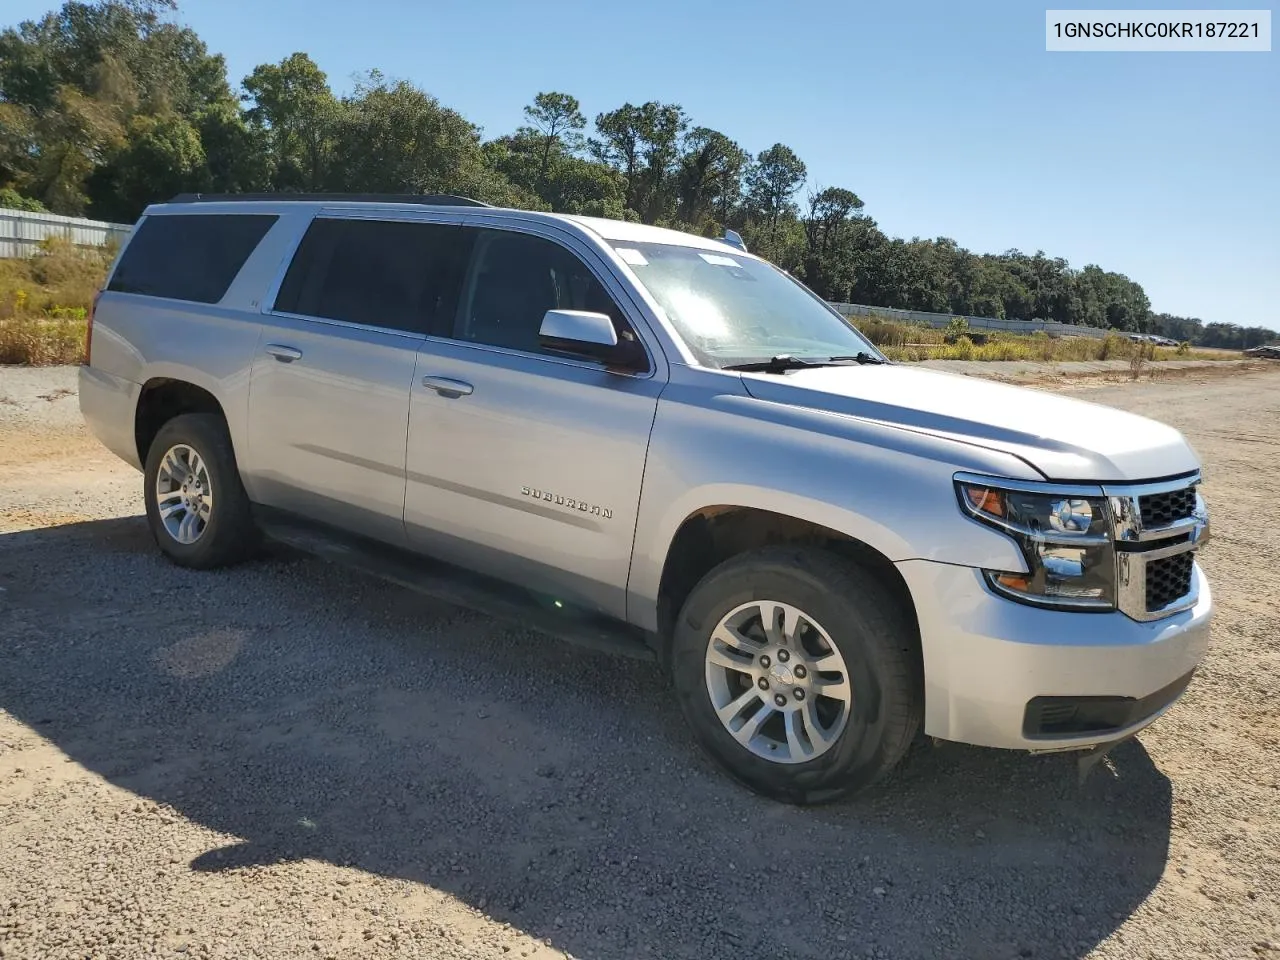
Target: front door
329 397
523 465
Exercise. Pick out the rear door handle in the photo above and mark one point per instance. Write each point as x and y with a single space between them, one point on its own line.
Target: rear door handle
447 387
282 353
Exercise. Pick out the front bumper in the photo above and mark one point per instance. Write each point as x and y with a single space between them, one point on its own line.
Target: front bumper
1004 674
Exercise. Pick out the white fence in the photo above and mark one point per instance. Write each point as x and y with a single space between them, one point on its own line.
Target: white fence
21 231
1051 327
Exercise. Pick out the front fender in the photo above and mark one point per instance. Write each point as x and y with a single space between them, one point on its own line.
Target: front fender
889 488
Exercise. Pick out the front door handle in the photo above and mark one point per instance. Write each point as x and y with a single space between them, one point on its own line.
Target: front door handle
447 387
282 353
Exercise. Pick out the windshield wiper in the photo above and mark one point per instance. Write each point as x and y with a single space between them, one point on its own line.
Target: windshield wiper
777 364
861 358
784 362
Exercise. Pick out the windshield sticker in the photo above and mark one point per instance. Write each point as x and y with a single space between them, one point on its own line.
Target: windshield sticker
633 257
719 261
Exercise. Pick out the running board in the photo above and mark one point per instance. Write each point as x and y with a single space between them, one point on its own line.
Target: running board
460 587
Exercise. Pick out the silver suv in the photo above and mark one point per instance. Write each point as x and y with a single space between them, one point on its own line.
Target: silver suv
658 443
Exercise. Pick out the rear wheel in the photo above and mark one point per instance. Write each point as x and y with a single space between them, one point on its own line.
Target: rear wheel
196 505
798 673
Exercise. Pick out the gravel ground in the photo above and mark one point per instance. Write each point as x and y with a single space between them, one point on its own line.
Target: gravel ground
286 760
1118 370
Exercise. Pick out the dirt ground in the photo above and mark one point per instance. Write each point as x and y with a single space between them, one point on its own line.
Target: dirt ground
286 760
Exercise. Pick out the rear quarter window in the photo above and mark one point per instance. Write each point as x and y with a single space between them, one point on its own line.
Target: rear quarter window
397 275
188 257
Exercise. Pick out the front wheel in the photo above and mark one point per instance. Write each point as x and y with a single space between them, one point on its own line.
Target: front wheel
798 673
196 505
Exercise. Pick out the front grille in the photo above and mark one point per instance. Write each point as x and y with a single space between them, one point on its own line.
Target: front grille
1162 509
1168 579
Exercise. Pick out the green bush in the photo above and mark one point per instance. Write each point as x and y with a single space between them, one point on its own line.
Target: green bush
13 200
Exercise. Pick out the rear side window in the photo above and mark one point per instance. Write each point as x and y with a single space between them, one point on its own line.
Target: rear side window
378 273
188 257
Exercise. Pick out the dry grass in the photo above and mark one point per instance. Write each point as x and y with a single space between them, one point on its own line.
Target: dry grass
38 341
45 300
904 341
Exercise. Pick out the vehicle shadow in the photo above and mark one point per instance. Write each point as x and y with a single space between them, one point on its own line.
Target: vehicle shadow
322 715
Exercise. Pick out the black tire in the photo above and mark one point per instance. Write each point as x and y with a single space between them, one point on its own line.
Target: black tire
876 637
230 534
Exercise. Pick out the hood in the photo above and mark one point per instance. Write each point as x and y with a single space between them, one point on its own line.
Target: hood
1063 438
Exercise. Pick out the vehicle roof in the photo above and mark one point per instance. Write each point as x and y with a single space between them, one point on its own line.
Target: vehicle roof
610 230
627 232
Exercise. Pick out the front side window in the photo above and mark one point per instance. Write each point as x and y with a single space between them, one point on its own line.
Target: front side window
377 273
732 309
514 280
192 257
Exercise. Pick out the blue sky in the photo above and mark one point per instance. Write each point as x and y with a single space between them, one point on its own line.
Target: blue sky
948 119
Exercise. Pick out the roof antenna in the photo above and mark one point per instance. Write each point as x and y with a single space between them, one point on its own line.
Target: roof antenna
734 239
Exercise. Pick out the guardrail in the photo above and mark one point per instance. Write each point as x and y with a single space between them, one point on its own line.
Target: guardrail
21 231
1051 327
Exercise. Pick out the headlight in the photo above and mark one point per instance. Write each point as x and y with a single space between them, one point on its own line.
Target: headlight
1064 535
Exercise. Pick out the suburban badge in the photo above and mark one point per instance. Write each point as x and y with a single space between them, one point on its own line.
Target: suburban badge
562 501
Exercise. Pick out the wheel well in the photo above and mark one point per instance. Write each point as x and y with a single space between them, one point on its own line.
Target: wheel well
714 534
162 400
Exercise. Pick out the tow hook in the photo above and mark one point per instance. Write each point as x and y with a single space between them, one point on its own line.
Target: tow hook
1093 756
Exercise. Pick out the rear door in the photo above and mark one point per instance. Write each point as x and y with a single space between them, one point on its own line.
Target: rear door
329 403
521 464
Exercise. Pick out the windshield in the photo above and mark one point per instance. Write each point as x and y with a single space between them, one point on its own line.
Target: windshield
732 309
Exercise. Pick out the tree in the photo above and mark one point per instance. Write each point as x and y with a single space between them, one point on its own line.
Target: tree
108 105
643 144
296 116
557 122
395 138
73 86
710 176
237 155
829 265
161 156
773 180
570 184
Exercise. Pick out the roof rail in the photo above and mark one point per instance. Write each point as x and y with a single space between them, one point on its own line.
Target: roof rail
433 199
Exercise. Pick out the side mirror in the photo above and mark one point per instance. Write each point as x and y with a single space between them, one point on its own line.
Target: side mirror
588 336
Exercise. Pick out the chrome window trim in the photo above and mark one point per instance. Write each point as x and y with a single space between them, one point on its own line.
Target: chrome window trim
350 325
